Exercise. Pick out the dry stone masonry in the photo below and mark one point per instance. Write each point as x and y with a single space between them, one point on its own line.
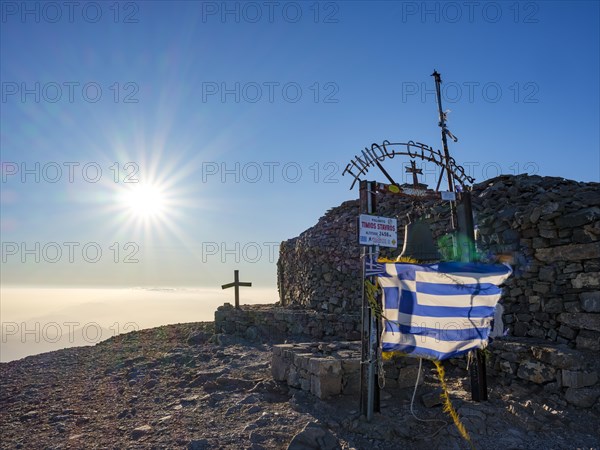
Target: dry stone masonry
564 373
326 369
548 229
277 324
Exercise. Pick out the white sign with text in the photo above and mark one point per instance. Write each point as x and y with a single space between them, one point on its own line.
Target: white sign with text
375 230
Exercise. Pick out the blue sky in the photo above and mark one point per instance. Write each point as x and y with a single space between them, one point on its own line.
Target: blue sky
282 96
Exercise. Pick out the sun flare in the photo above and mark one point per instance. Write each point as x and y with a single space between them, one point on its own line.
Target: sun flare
144 201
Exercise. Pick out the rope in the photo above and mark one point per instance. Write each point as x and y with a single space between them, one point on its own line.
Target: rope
412 401
371 292
448 408
469 359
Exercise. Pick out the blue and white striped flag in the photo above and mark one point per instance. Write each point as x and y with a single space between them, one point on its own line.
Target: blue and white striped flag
372 267
439 311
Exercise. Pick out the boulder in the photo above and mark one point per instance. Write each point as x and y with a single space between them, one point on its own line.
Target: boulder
432 399
578 218
198 337
536 372
590 301
586 280
584 397
407 377
199 444
588 340
138 432
561 357
569 252
578 379
586 321
314 437
325 386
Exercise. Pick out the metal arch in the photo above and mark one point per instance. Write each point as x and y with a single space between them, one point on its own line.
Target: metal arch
360 165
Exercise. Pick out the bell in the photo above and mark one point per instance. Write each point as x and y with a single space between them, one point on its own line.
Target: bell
418 243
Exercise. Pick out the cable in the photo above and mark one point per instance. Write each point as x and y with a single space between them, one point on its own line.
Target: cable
412 400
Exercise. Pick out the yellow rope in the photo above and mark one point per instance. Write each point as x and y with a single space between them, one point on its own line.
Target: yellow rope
399 259
371 293
391 355
448 408
406 259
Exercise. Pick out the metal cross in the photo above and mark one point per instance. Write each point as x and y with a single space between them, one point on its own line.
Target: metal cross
236 284
413 169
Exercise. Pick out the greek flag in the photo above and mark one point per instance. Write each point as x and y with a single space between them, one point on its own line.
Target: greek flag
439 311
373 267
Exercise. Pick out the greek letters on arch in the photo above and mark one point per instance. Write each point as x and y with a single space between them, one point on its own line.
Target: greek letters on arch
370 157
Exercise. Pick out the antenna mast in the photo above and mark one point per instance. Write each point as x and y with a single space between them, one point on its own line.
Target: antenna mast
445 132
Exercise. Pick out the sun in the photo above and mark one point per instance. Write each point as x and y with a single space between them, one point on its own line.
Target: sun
144 201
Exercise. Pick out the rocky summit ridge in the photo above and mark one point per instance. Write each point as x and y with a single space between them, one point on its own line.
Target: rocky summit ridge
182 386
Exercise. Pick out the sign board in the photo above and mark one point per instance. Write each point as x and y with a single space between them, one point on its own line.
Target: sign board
448 195
415 192
376 230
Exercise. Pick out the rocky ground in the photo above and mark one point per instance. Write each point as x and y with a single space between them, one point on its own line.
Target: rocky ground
180 386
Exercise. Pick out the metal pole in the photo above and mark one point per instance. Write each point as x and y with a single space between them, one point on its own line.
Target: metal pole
466 232
373 386
364 335
482 390
369 390
466 238
442 125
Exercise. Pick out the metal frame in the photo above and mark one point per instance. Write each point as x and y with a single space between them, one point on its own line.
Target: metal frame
373 157
461 216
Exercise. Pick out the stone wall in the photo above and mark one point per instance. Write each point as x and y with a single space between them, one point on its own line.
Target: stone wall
259 322
320 269
552 228
566 374
317 270
322 369
326 369
548 229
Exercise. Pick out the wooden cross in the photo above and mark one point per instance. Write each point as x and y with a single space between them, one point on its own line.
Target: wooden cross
413 169
236 284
